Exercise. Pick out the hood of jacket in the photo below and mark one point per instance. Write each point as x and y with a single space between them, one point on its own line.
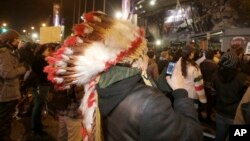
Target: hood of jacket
111 96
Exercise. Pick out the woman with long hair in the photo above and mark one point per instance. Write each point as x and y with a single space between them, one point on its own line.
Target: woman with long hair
193 78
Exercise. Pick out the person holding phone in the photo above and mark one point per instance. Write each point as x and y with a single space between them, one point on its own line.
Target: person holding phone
117 104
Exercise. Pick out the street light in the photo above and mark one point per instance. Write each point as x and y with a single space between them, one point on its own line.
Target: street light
4 24
158 42
118 15
32 27
34 35
152 2
44 25
4 30
24 31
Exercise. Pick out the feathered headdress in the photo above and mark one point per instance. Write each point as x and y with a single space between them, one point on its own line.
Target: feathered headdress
97 44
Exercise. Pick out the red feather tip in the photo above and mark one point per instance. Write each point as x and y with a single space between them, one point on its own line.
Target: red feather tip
51 77
71 41
51 60
134 45
59 51
84 132
50 70
89 16
59 57
79 29
142 32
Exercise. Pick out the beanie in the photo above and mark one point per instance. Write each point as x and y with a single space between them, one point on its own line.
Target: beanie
229 60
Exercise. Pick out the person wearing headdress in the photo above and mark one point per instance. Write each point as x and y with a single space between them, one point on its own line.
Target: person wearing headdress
10 71
109 57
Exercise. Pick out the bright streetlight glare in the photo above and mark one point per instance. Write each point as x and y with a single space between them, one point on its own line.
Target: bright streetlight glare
152 2
34 35
43 25
4 24
24 31
158 42
32 27
4 30
118 14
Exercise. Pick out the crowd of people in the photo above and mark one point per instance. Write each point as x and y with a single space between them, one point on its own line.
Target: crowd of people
107 85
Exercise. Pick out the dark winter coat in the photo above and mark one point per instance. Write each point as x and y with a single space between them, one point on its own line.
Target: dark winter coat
132 111
228 95
10 71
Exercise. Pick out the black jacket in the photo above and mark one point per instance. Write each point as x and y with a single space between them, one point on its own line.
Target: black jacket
132 111
228 95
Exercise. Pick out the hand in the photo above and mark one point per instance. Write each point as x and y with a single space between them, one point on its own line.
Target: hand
176 81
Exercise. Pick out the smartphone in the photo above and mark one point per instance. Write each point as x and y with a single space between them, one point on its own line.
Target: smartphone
170 68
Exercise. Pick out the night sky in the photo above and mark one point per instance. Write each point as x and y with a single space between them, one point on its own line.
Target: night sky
22 14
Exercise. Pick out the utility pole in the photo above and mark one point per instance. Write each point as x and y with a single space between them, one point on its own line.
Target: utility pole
79 11
61 12
74 12
104 6
85 6
93 8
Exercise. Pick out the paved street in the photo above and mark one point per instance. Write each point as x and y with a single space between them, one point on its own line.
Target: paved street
21 130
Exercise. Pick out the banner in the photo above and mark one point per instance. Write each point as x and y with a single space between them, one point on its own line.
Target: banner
50 34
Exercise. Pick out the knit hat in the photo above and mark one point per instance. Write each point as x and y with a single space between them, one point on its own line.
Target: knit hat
9 35
229 60
98 43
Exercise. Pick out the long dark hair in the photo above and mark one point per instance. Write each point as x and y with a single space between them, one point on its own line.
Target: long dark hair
186 52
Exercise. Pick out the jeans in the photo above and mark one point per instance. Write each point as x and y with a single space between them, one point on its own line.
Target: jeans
222 127
6 111
39 97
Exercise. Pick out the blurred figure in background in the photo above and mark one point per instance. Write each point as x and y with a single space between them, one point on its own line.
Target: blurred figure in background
41 86
230 84
193 77
217 56
67 104
164 60
208 68
152 66
10 71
